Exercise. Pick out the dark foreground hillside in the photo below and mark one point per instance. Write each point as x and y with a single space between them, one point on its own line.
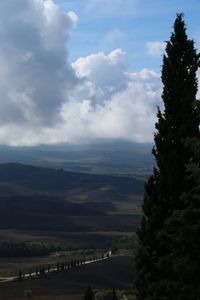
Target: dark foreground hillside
45 179
33 198
115 272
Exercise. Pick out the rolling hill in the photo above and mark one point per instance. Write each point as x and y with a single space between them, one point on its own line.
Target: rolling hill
39 198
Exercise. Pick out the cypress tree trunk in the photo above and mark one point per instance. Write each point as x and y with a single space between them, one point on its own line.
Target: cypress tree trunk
167 190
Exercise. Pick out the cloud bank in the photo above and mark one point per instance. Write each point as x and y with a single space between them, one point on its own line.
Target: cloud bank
45 100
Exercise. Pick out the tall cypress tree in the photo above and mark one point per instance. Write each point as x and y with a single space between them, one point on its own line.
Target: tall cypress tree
167 190
182 231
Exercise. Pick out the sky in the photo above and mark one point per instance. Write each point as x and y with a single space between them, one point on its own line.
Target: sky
139 27
77 71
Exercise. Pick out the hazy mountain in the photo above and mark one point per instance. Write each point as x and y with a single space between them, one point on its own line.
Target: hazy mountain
105 157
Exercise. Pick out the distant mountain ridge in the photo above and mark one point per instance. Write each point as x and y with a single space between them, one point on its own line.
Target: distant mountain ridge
107 157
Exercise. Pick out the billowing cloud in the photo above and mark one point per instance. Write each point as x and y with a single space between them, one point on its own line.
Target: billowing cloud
34 73
44 99
126 102
107 72
155 48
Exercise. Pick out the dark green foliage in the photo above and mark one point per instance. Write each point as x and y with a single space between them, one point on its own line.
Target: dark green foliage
42 271
169 244
20 275
28 293
89 295
114 295
183 233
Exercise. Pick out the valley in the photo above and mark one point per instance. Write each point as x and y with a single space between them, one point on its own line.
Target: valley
51 215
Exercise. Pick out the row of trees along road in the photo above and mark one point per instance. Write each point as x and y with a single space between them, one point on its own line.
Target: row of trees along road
168 258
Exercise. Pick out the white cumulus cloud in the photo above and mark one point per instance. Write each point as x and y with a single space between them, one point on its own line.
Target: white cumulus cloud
108 72
102 107
127 102
44 99
34 73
